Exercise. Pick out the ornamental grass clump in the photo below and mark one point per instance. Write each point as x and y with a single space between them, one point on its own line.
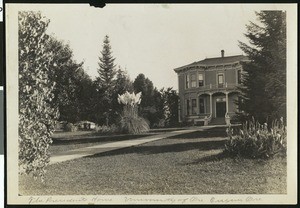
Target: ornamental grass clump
131 122
257 141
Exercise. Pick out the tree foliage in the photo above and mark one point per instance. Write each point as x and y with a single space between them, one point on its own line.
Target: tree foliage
106 64
74 89
63 74
106 82
37 115
151 106
263 90
123 84
170 106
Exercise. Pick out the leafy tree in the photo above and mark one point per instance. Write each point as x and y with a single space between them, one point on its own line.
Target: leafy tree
170 103
144 85
151 106
123 84
263 94
73 91
37 115
106 80
85 92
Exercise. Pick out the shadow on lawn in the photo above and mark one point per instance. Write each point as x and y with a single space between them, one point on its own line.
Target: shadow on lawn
209 158
179 147
206 133
86 139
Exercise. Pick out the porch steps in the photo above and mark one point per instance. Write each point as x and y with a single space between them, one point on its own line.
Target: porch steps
217 121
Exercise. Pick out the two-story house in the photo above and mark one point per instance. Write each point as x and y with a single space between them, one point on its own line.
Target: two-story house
208 89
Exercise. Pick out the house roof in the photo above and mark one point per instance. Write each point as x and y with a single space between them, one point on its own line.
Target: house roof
215 61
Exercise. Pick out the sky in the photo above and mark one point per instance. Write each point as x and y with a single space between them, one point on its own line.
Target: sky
152 39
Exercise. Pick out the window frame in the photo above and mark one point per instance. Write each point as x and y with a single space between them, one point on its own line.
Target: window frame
194 107
220 75
201 80
187 81
217 79
187 103
200 98
194 81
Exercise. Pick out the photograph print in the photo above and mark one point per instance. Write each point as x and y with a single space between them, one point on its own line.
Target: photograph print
151 103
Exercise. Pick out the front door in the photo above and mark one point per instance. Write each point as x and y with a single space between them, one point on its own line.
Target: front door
220 109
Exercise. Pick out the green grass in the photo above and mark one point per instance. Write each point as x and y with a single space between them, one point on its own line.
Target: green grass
65 141
71 135
185 164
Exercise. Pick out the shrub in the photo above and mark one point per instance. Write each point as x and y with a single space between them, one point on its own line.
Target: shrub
134 125
112 129
71 127
37 115
257 141
130 122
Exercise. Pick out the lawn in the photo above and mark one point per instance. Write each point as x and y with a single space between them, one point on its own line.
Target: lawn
73 140
185 164
65 141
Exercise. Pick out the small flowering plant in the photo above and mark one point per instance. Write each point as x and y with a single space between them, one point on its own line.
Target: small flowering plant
257 141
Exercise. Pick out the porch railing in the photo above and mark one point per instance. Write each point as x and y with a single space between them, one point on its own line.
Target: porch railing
212 87
206 118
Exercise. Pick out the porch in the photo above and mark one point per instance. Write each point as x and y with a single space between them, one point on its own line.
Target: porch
210 108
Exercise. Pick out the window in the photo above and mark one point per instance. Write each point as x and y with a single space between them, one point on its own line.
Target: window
187 107
220 80
193 80
200 80
187 80
239 76
201 105
194 106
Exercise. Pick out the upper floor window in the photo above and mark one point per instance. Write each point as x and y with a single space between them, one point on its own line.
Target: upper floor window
187 81
200 80
220 80
239 76
193 80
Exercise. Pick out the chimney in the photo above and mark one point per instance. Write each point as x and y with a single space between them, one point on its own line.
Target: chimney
222 53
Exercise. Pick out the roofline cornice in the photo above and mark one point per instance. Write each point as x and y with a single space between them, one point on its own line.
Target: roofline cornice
185 68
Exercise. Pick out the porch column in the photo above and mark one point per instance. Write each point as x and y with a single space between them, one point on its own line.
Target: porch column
210 103
197 103
226 93
179 111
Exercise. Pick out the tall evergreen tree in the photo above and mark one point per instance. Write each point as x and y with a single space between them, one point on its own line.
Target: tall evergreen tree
106 79
106 64
263 91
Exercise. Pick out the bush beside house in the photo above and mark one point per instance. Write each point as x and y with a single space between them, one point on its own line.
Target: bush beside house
257 141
